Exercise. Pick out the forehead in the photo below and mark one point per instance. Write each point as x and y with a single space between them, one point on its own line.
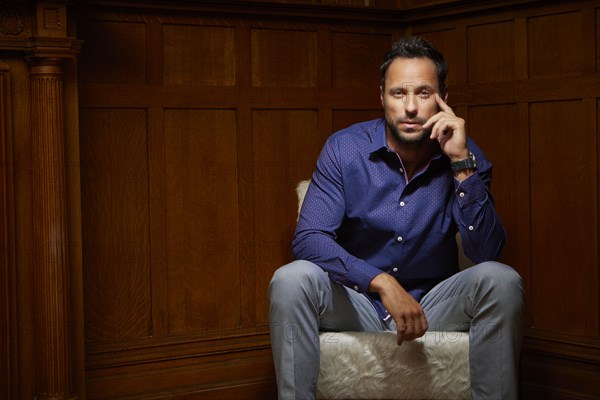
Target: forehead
417 71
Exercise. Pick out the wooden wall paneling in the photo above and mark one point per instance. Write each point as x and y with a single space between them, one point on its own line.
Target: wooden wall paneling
114 154
199 55
246 234
494 129
491 52
286 143
588 47
521 244
324 58
520 41
202 220
446 41
283 58
561 368
560 209
114 51
279 86
560 338
597 41
24 377
205 376
75 244
356 58
154 52
158 221
546 42
555 378
325 82
344 118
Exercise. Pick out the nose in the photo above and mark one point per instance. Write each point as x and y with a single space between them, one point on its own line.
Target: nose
411 105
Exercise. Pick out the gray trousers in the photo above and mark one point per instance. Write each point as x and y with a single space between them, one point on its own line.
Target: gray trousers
486 300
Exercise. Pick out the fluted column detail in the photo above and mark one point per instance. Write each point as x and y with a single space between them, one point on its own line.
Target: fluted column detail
53 347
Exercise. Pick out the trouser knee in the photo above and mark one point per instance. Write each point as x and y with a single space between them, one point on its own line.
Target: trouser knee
503 282
292 279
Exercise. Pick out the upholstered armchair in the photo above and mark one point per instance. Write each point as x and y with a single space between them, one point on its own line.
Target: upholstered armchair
364 365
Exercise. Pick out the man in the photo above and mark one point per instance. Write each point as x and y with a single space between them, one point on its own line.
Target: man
375 241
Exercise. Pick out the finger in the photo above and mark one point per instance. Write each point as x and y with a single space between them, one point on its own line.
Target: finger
421 327
440 124
424 323
440 130
400 329
442 104
432 120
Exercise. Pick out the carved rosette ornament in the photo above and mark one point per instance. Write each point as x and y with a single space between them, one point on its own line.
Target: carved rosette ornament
11 18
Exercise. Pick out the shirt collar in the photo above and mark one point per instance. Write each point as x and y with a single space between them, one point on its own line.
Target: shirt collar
378 137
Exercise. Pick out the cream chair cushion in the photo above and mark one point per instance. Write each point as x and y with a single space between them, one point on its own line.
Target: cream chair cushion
365 365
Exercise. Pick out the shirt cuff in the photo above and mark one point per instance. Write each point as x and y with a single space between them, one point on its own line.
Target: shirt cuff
360 275
470 190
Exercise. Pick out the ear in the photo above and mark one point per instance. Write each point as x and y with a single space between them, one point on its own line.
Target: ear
446 96
381 96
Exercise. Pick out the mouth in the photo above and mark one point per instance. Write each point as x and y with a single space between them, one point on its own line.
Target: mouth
410 125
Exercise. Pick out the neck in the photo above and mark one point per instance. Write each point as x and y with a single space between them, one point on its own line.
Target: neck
414 156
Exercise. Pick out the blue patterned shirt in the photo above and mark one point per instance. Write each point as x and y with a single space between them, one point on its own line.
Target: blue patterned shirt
361 217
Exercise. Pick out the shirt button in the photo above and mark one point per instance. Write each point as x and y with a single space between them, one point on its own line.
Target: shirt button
471 227
402 204
395 269
356 288
399 238
401 170
461 194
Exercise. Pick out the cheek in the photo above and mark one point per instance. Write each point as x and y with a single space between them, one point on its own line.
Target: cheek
430 108
392 106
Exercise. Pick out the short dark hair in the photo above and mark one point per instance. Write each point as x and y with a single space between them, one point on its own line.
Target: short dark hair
416 47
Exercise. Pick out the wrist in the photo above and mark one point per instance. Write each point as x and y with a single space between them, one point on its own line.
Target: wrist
467 163
459 156
464 174
381 282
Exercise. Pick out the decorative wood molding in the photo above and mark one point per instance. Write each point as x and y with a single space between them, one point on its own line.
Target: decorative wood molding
43 46
51 19
7 276
398 11
12 21
549 343
54 344
39 31
52 294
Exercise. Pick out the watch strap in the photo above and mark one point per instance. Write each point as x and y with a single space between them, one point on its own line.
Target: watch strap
467 163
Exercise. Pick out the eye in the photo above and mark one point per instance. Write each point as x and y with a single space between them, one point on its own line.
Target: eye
425 94
397 93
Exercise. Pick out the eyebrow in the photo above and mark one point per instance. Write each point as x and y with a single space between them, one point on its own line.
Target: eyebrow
416 88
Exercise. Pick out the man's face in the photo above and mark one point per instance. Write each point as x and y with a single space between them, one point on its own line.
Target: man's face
408 98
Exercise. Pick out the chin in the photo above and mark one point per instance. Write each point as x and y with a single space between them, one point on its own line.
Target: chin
413 137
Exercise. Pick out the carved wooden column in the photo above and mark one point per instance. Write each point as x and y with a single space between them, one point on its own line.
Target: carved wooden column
53 335
53 348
